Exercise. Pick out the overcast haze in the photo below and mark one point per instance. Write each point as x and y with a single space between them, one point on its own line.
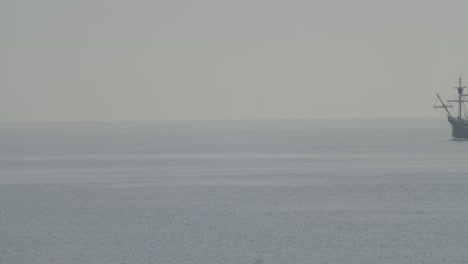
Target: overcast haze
210 59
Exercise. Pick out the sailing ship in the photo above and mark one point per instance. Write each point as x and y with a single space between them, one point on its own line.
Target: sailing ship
458 122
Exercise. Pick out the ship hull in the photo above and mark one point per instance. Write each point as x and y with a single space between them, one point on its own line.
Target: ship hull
459 127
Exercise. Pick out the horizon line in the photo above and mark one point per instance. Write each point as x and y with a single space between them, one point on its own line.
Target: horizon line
207 120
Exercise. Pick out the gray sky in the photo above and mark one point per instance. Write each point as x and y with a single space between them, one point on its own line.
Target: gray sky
214 59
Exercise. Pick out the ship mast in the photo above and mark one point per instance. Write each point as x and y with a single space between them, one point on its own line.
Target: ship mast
460 92
460 89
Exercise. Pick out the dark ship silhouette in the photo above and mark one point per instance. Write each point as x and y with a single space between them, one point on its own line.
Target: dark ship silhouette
459 123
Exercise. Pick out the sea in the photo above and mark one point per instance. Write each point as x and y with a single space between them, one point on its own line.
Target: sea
239 191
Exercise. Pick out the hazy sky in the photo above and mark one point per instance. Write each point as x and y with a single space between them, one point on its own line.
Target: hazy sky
214 59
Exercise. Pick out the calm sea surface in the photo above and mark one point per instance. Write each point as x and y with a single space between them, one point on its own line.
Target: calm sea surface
206 192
